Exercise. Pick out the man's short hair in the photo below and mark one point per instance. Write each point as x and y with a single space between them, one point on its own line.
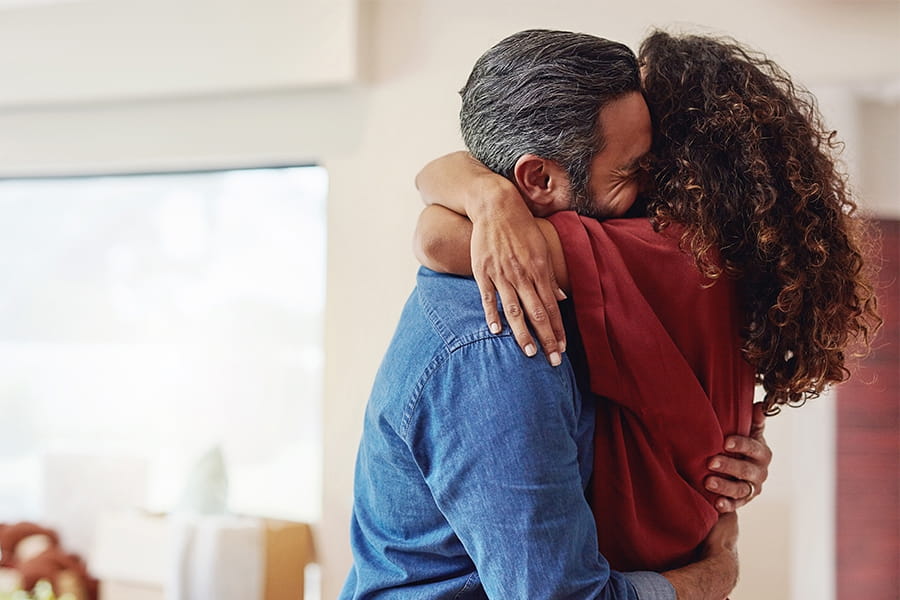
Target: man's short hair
540 92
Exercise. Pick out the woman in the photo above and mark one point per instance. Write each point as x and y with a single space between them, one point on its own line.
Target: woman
741 178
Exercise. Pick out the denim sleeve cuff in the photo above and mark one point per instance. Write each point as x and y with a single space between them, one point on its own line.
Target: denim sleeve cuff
651 586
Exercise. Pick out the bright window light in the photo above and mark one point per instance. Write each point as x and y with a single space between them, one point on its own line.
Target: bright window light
160 316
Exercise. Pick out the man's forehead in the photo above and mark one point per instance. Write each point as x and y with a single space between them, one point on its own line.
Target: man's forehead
627 129
635 160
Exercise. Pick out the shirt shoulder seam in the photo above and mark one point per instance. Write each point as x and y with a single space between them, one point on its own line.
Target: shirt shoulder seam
436 363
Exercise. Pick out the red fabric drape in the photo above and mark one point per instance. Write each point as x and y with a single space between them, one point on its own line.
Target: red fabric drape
664 357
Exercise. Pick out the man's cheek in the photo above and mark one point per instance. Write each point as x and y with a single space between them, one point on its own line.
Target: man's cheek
624 198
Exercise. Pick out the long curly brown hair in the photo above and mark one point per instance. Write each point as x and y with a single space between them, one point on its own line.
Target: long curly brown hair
742 159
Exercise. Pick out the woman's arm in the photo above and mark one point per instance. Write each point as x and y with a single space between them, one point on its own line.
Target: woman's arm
461 183
508 252
442 243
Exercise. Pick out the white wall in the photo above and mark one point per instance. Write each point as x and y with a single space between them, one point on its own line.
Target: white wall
101 50
375 135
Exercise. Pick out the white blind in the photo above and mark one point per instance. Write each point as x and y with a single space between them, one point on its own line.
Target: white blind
159 316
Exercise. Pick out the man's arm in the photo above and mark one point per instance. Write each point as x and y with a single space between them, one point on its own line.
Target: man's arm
497 437
716 574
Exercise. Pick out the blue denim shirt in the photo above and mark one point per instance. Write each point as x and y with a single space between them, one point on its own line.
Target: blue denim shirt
472 468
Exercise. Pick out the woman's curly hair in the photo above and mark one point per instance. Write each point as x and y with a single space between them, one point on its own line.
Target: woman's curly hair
742 160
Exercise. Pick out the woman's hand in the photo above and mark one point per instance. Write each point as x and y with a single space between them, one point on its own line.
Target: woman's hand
509 255
744 469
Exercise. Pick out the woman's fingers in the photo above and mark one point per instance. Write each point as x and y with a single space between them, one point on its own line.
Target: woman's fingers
521 303
537 302
548 290
489 303
511 258
524 303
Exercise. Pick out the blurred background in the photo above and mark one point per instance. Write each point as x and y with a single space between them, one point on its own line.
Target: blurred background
206 209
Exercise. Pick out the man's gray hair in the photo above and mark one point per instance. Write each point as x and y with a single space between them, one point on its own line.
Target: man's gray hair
540 92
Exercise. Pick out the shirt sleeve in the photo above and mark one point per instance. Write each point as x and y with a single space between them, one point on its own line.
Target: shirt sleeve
651 586
495 435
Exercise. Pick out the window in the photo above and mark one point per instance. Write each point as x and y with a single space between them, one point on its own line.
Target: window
161 316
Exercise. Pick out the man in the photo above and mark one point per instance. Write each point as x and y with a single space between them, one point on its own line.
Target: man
474 459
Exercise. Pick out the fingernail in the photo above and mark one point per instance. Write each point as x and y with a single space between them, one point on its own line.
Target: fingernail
555 360
562 346
715 464
494 327
713 484
730 444
561 293
530 350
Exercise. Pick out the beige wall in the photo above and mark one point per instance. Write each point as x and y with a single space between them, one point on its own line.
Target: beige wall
373 136
54 51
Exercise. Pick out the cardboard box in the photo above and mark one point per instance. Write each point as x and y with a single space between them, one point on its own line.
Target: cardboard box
116 590
134 553
289 548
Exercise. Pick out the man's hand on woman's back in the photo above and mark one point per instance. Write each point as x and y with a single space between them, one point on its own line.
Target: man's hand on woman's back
743 468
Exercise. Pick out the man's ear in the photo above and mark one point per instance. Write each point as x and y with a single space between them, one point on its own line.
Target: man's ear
543 183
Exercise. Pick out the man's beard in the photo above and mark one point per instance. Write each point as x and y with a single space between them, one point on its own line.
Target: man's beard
583 203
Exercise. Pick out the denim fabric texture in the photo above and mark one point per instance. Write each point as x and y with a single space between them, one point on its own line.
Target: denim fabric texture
471 473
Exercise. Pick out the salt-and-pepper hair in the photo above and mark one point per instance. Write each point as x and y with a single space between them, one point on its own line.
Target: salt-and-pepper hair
540 92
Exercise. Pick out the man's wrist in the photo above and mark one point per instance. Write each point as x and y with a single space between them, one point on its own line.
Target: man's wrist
651 586
711 578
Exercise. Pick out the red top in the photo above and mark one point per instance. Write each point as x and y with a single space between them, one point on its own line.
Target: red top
663 353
